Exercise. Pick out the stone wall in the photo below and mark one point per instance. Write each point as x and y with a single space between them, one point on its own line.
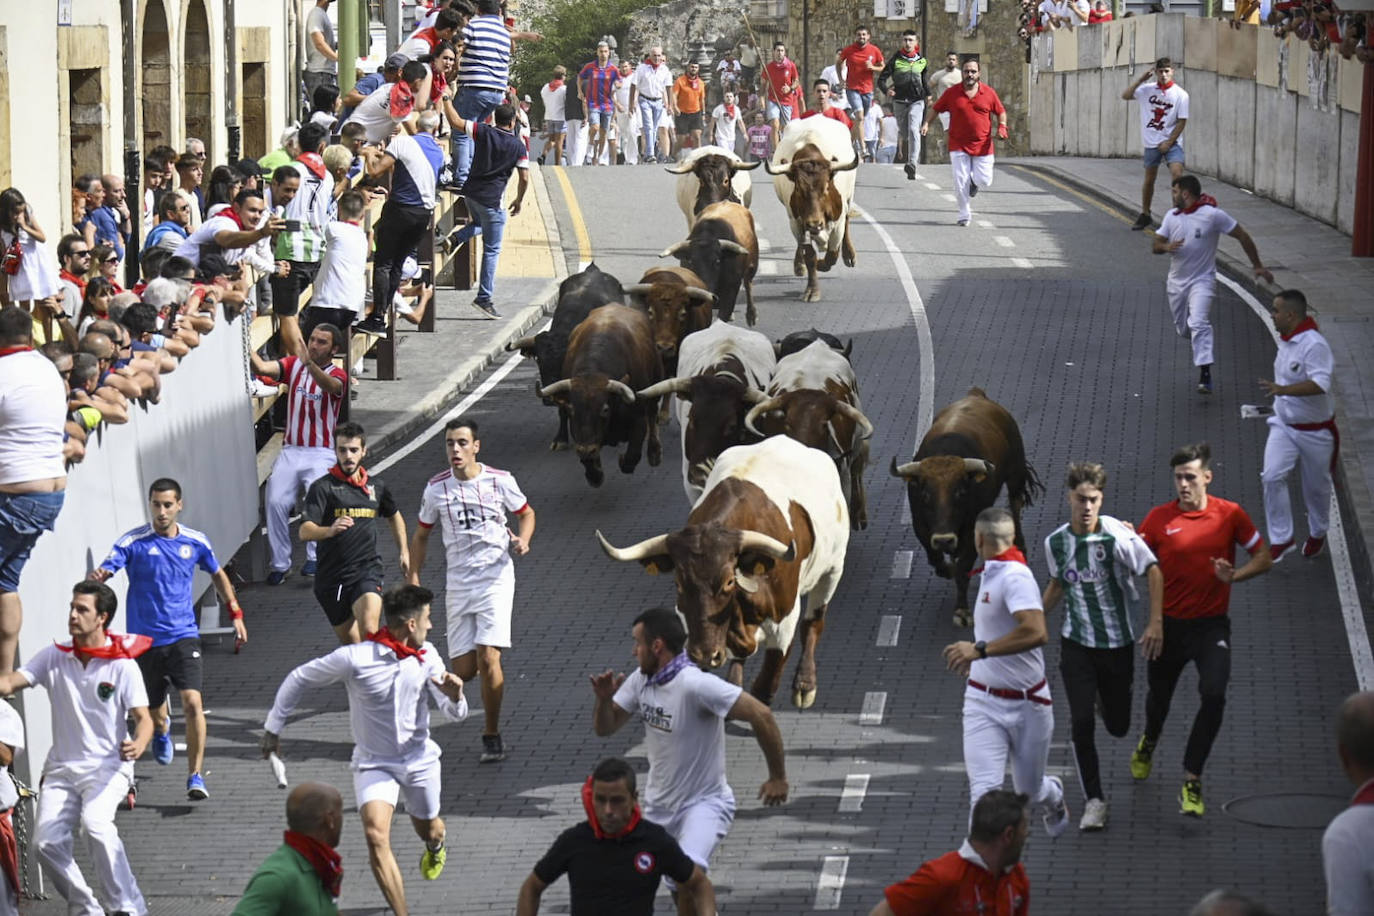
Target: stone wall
697 30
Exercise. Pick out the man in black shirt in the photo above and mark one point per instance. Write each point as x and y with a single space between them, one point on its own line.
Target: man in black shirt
614 859
341 510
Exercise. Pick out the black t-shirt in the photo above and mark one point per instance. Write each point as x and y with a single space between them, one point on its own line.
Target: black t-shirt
350 554
614 877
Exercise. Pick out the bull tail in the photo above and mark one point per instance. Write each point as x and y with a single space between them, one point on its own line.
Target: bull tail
1033 486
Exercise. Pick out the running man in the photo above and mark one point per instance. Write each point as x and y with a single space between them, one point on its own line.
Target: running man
388 709
472 501
341 511
1092 560
1007 705
1189 235
94 687
596 85
1195 538
161 561
1163 116
971 106
782 90
862 60
684 711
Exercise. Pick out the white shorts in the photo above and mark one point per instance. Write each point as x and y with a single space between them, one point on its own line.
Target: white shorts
386 783
479 613
698 827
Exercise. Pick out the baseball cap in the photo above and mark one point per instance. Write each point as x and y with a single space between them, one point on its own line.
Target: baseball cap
527 99
395 61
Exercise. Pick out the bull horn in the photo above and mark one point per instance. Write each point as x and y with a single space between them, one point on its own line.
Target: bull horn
732 247
558 387
846 168
679 169
849 410
627 394
903 470
768 167
696 292
667 386
653 547
638 289
754 396
520 344
672 252
978 466
762 543
759 410
745 166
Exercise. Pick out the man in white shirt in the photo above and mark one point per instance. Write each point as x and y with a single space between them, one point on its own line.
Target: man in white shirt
1302 431
649 89
94 686
1348 844
1163 116
471 501
386 106
1189 234
1007 705
390 678
684 711
341 284
727 123
553 94
627 123
224 239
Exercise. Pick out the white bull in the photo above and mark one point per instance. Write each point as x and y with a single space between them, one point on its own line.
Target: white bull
708 175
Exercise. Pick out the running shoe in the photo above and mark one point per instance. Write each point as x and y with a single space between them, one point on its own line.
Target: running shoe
1278 551
963 222
1143 759
1057 815
1204 387
195 788
910 172
493 749
487 309
1094 815
432 862
1142 222
162 747
309 568
1190 798
374 325
276 577
131 797
972 189
1313 547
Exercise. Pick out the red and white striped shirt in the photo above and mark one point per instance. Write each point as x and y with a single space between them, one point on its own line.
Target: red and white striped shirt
311 412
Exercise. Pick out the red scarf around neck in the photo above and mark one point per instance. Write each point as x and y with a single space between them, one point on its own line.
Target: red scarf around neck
326 861
401 100
9 351
730 112
590 806
1307 324
359 479
314 162
1206 200
555 85
1010 555
1364 795
121 645
401 650
1165 87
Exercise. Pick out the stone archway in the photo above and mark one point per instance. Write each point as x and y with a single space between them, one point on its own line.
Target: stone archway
156 72
197 102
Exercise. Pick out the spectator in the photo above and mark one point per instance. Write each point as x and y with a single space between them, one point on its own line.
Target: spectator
250 172
1348 844
725 119
74 256
553 93
321 53
133 385
575 127
783 90
304 876
88 403
424 41
728 73
302 240
390 73
760 139
596 85
141 321
112 221
338 159
1054 14
861 61
172 299
33 479
218 243
154 179
626 118
748 61
390 104
1101 12
687 104
190 174
29 272
284 154
225 184
96 304
93 197
196 147
174 216
342 279
482 77
905 73
324 107
649 89
11 740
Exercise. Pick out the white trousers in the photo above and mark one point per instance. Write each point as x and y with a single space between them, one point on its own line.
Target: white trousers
625 124
575 141
966 168
88 803
995 729
297 467
1311 451
1192 309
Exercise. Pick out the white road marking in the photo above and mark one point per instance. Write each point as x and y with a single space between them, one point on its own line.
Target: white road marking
901 565
948 197
916 177
1353 615
768 268
986 224
852 795
1022 262
764 244
583 265
831 885
888 630
906 514
875 704
932 186
1004 241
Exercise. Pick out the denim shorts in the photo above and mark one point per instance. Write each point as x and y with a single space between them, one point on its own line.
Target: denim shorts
23 519
777 112
600 117
859 101
1153 157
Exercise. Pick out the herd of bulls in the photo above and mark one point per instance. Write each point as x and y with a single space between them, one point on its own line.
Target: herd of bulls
774 439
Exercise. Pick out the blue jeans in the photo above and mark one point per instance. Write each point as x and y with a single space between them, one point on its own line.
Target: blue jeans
859 101
490 223
650 113
23 519
472 105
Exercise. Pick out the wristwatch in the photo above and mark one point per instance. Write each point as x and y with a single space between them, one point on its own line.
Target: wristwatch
982 647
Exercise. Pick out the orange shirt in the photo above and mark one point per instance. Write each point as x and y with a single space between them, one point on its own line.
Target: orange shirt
957 884
1186 543
689 97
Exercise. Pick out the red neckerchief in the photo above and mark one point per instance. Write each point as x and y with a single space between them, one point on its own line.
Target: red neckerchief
359 480
314 162
912 56
402 100
8 351
1364 795
1206 200
139 287
692 81
437 85
1307 324
1010 555
555 85
326 861
429 35
73 278
1166 87
730 112
402 651
229 213
596 825
121 645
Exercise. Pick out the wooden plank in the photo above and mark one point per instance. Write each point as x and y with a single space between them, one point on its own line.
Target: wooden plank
261 330
358 347
267 455
262 405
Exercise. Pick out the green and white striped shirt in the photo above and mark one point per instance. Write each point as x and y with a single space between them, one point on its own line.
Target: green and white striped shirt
1100 598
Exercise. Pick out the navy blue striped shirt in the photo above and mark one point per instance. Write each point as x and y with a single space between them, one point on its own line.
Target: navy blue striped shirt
486 54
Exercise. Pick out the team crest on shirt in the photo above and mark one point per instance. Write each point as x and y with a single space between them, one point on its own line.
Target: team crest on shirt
644 862
105 690
185 551
1099 552
987 597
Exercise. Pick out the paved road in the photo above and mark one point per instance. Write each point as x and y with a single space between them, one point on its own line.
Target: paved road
1075 339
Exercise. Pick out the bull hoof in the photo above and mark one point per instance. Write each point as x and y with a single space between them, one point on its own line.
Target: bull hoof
812 294
751 316
655 454
804 699
850 258
859 522
595 476
628 464
962 617
558 445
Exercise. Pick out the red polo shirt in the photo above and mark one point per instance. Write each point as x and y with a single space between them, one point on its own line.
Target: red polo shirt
970 119
956 884
1186 543
857 75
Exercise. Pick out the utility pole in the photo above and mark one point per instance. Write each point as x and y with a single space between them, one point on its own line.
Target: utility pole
348 43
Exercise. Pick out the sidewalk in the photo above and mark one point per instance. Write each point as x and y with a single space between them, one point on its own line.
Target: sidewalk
1304 254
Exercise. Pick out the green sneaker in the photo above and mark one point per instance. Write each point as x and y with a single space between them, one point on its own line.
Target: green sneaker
1190 798
1143 759
432 862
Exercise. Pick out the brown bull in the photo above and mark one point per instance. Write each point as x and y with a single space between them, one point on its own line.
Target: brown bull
678 304
723 250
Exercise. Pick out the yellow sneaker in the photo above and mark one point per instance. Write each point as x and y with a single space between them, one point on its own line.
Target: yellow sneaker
432 863
1190 798
1142 761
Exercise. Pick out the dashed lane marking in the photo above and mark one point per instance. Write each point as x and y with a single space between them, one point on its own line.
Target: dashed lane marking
932 186
1022 262
1004 241
765 245
875 705
768 268
906 514
831 886
985 224
852 795
888 630
901 565
949 198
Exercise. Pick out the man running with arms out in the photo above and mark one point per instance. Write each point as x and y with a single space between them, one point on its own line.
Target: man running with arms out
1163 116
390 678
94 687
1091 561
1189 235
614 858
472 501
684 711
971 106
1007 705
1195 538
161 561
341 511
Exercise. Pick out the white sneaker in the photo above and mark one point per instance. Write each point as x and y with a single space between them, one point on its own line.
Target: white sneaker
1057 814
1094 815
263 390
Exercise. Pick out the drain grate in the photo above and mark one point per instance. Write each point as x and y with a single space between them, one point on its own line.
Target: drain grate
1287 810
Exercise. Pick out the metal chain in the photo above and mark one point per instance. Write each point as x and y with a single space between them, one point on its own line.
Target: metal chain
22 816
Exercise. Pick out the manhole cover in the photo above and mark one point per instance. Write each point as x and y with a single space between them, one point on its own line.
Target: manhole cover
1290 810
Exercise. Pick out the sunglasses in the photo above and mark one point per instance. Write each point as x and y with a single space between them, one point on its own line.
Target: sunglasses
80 254
113 259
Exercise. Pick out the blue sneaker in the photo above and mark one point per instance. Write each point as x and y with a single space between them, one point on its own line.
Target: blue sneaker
195 788
162 747
276 577
309 568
